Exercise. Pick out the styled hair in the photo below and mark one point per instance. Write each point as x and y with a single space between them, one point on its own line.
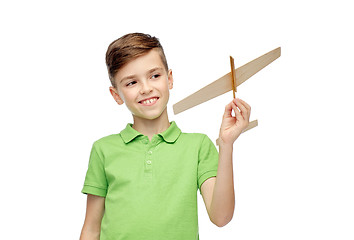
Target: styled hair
128 48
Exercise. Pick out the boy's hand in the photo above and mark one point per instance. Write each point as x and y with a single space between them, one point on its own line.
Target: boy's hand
232 127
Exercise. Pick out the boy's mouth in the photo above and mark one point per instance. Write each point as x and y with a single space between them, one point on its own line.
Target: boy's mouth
149 101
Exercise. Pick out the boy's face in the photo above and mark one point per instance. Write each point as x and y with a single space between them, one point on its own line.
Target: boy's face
143 85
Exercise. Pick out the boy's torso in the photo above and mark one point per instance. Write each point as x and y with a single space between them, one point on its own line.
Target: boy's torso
151 186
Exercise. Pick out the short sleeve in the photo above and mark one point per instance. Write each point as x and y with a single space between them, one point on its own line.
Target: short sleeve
95 180
208 160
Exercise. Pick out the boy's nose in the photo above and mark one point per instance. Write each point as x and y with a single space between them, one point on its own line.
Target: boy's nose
145 88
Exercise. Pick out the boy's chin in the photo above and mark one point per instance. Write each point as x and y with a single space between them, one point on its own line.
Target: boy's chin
147 117
150 117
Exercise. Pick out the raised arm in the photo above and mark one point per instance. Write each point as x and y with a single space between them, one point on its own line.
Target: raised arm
218 192
94 213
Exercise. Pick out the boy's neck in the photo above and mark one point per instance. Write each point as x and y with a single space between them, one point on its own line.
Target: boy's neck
151 127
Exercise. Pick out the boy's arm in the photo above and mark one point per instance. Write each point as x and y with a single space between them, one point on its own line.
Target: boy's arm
218 192
94 213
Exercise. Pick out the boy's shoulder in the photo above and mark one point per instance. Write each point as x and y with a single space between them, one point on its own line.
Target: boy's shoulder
116 138
128 134
109 140
194 135
197 138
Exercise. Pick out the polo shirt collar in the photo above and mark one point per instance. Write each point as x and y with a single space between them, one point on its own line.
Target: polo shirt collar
129 133
170 135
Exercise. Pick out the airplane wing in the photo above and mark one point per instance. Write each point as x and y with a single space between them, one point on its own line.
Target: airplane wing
224 84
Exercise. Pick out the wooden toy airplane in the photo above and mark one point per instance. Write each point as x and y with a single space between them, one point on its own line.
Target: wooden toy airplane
229 81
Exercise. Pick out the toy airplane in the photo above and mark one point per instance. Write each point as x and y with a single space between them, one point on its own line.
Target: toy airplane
229 81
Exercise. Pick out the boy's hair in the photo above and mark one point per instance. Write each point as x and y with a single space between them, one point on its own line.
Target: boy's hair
128 48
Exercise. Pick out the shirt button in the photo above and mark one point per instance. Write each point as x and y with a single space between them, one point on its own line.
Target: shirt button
148 162
149 152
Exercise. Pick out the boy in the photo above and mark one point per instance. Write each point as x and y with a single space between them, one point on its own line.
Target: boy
142 183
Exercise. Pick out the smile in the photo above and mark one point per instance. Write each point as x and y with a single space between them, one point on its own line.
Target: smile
149 101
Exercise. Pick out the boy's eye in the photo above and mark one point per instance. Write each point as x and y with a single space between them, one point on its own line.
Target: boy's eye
155 76
130 83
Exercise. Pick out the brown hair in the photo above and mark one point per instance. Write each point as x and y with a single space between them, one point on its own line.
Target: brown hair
129 47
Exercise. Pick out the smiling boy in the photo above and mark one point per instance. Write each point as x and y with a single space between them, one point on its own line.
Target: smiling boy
142 183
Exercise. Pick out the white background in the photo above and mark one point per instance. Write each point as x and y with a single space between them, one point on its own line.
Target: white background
293 173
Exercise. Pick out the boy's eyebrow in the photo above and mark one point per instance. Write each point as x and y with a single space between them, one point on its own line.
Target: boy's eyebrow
148 72
127 77
154 69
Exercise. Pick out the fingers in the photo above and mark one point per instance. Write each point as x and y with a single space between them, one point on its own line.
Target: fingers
244 108
248 107
228 110
232 106
237 112
241 109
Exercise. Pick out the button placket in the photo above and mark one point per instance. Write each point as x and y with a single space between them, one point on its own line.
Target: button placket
148 161
150 150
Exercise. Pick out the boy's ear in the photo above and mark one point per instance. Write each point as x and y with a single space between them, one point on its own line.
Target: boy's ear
170 79
115 95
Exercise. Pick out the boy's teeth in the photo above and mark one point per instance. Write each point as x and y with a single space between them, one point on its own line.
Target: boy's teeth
149 101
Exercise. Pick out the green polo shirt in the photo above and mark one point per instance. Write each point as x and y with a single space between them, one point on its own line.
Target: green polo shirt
150 187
